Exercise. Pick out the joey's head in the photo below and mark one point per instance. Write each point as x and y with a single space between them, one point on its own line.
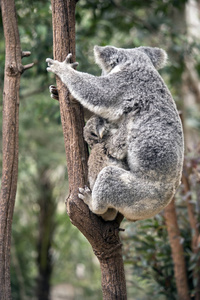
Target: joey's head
110 57
95 130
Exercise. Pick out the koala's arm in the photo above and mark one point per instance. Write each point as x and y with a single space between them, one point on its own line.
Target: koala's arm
101 95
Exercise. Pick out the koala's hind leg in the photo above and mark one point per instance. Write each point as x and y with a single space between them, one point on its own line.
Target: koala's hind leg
133 197
86 195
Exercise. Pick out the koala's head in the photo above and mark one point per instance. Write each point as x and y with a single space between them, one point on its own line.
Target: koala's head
95 130
109 57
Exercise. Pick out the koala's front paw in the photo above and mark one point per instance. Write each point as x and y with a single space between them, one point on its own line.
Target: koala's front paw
86 195
60 67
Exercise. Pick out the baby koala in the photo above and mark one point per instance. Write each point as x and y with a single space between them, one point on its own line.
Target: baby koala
97 134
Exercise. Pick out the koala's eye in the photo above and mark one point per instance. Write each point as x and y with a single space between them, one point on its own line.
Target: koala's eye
93 134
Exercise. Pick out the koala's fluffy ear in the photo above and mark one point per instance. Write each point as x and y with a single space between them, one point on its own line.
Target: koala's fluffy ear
98 55
158 56
106 57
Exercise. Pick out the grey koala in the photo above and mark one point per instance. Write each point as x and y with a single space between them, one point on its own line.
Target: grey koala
132 95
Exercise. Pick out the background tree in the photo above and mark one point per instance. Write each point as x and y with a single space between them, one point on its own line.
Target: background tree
13 71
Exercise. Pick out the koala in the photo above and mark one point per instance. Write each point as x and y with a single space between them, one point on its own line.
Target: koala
133 98
96 132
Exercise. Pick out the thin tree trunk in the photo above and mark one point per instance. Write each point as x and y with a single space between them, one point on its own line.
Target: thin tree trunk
13 70
103 236
194 231
177 251
18 270
193 223
191 214
46 225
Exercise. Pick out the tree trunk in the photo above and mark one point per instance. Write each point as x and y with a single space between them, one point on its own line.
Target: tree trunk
10 140
13 70
177 251
103 236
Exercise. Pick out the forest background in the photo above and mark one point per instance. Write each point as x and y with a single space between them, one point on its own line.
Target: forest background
47 251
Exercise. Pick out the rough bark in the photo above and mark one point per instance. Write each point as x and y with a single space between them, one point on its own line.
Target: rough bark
13 71
103 236
177 251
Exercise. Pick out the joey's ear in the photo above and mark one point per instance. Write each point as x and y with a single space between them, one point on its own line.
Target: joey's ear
158 56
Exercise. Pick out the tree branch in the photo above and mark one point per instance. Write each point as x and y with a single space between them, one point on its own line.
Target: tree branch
25 53
26 67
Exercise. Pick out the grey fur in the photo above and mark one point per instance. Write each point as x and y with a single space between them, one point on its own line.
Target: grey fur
145 127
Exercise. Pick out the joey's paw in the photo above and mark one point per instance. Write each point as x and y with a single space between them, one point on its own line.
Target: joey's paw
54 92
68 62
86 195
118 152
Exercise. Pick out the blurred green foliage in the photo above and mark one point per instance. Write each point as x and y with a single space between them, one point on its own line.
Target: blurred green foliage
147 252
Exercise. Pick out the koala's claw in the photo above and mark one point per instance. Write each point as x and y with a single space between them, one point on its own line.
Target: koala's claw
67 61
54 92
81 195
74 65
53 89
49 63
85 194
69 56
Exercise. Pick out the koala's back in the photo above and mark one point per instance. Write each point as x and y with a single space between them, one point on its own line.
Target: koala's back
156 141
